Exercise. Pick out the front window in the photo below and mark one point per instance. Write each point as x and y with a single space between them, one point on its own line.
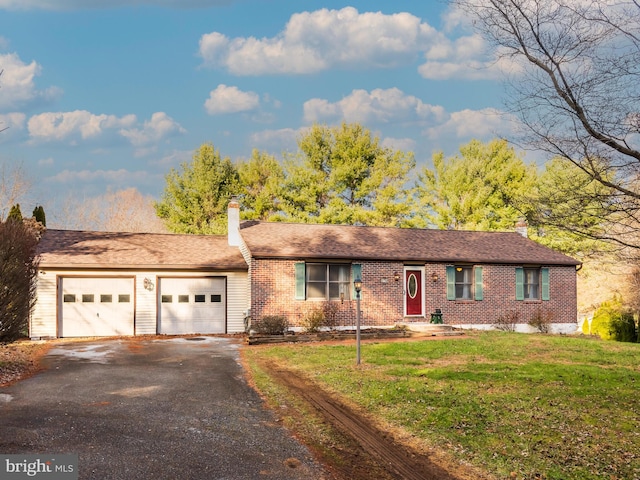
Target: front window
464 283
531 283
328 281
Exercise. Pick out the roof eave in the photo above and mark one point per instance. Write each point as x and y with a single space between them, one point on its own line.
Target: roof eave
152 267
568 262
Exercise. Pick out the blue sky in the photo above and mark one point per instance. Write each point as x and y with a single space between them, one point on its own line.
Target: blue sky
105 94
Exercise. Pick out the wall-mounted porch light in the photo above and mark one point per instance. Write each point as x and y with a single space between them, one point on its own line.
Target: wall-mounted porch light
148 284
434 277
396 276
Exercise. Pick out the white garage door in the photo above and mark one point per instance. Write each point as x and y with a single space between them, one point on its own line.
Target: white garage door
97 307
192 305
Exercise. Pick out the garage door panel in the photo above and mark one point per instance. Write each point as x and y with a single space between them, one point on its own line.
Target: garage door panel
192 305
97 306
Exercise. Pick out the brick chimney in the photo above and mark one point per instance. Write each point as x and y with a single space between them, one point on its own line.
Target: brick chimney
233 222
522 227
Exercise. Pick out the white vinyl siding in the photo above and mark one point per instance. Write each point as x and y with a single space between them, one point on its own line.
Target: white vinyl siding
44 315
238 301
146 303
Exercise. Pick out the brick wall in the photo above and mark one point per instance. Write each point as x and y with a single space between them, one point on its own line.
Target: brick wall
500 296
382 303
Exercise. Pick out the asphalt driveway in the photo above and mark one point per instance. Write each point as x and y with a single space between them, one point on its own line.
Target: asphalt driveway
153 409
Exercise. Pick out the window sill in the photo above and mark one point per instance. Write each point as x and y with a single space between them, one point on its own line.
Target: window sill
329 300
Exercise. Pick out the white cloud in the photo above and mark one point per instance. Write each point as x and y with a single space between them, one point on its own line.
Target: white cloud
121 176
81 126
378 106
160 126
172 159
74 126
45 162
465 57
17 87
402 144
226 99
98 4
11 125
323 39
480 124
285 139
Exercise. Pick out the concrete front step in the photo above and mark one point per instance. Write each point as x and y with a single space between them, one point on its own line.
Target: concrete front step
432 328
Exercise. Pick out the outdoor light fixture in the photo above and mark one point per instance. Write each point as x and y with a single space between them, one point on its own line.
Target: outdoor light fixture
357 285
396 276
148 284
434 276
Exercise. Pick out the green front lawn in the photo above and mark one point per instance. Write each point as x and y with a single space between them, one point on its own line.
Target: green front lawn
515 405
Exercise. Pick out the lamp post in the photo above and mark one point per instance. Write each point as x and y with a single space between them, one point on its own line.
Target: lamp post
357 285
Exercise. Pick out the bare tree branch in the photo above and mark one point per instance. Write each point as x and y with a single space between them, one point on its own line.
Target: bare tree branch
578 97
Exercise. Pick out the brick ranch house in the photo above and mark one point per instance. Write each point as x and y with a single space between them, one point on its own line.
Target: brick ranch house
101 284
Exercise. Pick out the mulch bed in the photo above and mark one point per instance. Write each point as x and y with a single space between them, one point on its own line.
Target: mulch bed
365 334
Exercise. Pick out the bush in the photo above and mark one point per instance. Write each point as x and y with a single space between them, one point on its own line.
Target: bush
18 275
314 320
272 325
622 328
330 311
541 320
586 328
604 315
508 321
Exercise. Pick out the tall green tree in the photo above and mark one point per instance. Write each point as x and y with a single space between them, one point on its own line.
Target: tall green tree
566 210
15 213
38 214
261 178
342 175
479 189
195 198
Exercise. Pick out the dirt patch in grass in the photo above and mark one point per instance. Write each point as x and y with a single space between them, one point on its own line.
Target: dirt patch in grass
346 439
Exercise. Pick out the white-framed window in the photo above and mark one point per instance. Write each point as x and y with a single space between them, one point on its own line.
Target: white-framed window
328 281
464 282
532 283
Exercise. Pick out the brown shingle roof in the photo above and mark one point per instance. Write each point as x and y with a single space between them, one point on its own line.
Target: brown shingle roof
288 240
78 249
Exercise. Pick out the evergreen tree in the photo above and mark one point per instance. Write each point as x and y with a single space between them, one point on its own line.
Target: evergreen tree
480 189
342 175
38 214
195 198
15 213
261 178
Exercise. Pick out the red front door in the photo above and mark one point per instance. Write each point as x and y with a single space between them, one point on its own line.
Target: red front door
413 291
